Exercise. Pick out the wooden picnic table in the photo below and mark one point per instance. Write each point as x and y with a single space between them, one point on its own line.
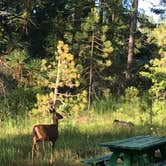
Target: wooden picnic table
137 151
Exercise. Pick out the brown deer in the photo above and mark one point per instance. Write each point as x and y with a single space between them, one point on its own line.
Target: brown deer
46 132
123 123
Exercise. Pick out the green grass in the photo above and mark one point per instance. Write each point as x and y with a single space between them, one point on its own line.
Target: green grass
78 139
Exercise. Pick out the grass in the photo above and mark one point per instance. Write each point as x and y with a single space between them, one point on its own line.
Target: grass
79 138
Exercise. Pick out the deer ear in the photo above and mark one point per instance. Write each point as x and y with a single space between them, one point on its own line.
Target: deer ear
52 109
59 116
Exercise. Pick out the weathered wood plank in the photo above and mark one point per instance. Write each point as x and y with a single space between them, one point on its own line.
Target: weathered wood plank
97 159
136 143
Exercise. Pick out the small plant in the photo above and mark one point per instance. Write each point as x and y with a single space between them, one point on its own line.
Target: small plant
131 94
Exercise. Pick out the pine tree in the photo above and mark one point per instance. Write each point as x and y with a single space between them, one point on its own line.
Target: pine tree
94 54
61 78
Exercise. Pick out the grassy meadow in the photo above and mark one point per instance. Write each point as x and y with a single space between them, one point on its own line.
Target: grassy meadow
79 137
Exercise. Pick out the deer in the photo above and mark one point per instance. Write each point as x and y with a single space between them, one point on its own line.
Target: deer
123 123
45 132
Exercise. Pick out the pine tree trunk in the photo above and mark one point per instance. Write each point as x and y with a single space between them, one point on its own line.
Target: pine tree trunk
90 73
101 12
131 43
57 82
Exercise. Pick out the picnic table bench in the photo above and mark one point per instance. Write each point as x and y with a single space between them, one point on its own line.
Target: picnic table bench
134 151
97 160
163 163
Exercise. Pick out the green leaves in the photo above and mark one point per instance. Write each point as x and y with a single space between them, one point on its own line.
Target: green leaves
58 75
90 21
157 73
68 70
17 56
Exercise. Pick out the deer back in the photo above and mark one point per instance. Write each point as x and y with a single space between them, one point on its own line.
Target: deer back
45 131
48 131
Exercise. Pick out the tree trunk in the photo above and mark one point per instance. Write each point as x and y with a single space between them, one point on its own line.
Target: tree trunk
90 73
131 43
57 82
101 12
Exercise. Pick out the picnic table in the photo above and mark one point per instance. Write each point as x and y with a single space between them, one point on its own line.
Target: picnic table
137 151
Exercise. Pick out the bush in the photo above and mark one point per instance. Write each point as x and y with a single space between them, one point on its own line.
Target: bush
16 103
131 94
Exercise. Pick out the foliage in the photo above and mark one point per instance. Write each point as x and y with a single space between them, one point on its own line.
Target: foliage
16 60
61 75
33 75
94 51
159 36
68 72
17 103
157 75
156 70
160 9
17 56
131 94
97 34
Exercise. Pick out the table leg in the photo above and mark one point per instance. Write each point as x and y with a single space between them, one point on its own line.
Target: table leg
113 161
141 160
125 160
163 152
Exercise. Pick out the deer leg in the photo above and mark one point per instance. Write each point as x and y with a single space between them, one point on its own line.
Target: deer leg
33 151
44 150
53 145
52 150
37 150
34 148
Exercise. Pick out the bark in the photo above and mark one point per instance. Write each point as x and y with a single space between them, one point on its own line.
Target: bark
57 82
90 73
131 43
101 12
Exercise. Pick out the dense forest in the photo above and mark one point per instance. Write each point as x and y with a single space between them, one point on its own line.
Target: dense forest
96 62
73 54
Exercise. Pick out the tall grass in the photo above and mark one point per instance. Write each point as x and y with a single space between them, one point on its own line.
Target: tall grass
78 140
79 136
